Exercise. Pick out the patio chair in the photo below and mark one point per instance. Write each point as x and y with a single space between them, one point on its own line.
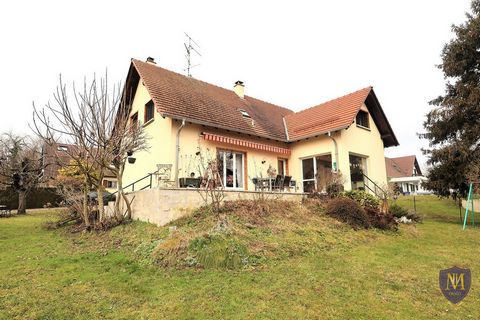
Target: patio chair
164 173
286 183
278 183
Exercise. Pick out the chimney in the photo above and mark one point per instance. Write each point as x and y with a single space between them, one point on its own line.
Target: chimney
239 89
151 60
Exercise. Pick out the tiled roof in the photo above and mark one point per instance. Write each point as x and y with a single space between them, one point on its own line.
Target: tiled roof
329 116
401 166
181 97
178 96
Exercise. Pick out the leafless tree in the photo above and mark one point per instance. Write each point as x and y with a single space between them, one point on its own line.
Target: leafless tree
97 123
20 165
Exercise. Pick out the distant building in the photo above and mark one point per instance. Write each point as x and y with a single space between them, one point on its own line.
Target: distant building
54 157
406 173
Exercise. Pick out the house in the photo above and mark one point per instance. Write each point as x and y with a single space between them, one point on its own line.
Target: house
188 119
406 173
56 156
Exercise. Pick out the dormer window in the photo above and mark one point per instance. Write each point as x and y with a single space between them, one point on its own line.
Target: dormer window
362 119
62 148
244 113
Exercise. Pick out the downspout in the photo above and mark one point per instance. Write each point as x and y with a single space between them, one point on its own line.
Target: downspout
177 153
337 166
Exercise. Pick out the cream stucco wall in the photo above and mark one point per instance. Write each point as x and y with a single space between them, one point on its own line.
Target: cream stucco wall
367 143
158 130
192 142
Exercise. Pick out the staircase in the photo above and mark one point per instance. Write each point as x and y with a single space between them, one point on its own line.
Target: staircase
145 183
377 191
374 188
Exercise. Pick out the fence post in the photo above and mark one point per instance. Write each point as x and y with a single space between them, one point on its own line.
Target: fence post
150 181
414 205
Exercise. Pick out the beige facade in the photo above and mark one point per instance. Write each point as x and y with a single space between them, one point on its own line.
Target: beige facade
365 143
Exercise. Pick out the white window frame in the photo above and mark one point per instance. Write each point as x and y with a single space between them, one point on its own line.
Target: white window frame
234 160
314 167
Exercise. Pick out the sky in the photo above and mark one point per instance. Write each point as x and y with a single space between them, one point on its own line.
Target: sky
296 54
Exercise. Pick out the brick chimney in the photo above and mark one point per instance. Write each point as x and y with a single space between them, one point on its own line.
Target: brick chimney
239 89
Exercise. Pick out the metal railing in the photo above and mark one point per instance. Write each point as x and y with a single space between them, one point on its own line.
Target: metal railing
373 187
132 185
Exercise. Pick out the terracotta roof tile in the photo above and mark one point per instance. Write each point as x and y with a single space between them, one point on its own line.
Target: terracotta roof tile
178 96
401 166
332 115
181 97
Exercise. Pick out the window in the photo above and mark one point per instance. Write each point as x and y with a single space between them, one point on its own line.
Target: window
315 172
244 113
358 168
231 168
134 121
149 111
362 119
62 148
109 184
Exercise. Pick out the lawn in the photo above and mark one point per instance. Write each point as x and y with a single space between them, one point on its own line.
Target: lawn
333 273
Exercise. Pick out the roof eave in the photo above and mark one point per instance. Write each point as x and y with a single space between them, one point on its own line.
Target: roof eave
213 125
313 135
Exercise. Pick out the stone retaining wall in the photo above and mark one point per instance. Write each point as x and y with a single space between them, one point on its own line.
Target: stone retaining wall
161 206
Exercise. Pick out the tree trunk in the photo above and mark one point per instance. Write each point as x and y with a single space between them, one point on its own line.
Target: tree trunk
85 212
22 202
119 197
129 207
101 209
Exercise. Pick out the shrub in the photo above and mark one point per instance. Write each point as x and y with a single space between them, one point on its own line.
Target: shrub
218 251
334 189
365 199
398 211
348 211
379 220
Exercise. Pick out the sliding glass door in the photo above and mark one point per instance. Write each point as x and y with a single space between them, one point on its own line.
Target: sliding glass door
231 168
316 172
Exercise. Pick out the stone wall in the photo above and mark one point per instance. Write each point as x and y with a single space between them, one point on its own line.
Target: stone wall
161 206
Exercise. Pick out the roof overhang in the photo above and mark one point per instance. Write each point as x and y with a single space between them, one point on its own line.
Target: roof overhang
381 121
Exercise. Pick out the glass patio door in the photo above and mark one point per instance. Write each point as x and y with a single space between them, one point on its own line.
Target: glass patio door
231 169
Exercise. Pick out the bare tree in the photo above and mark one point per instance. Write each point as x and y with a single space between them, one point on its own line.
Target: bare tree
20 166
97 123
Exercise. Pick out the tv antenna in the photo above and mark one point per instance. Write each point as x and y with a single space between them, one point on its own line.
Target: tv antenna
190 47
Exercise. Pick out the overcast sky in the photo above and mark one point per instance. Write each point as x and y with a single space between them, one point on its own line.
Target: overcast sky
292 53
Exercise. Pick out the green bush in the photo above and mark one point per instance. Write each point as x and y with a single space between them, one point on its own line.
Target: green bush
348 211
218 251
37 198
397 211
334 189
363 198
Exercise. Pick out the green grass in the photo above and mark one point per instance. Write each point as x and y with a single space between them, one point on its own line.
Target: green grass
316 269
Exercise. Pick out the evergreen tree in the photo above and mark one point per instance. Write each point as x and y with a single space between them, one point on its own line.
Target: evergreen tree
453 126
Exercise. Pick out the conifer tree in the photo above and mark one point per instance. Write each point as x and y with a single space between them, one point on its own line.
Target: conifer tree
453 125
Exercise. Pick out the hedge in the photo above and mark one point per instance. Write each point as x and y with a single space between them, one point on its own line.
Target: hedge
36 198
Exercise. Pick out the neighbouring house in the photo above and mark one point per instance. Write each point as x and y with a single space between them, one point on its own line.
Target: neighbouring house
56 156
189 120
406 174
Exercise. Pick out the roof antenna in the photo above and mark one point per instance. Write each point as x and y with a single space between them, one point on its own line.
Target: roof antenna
190 47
